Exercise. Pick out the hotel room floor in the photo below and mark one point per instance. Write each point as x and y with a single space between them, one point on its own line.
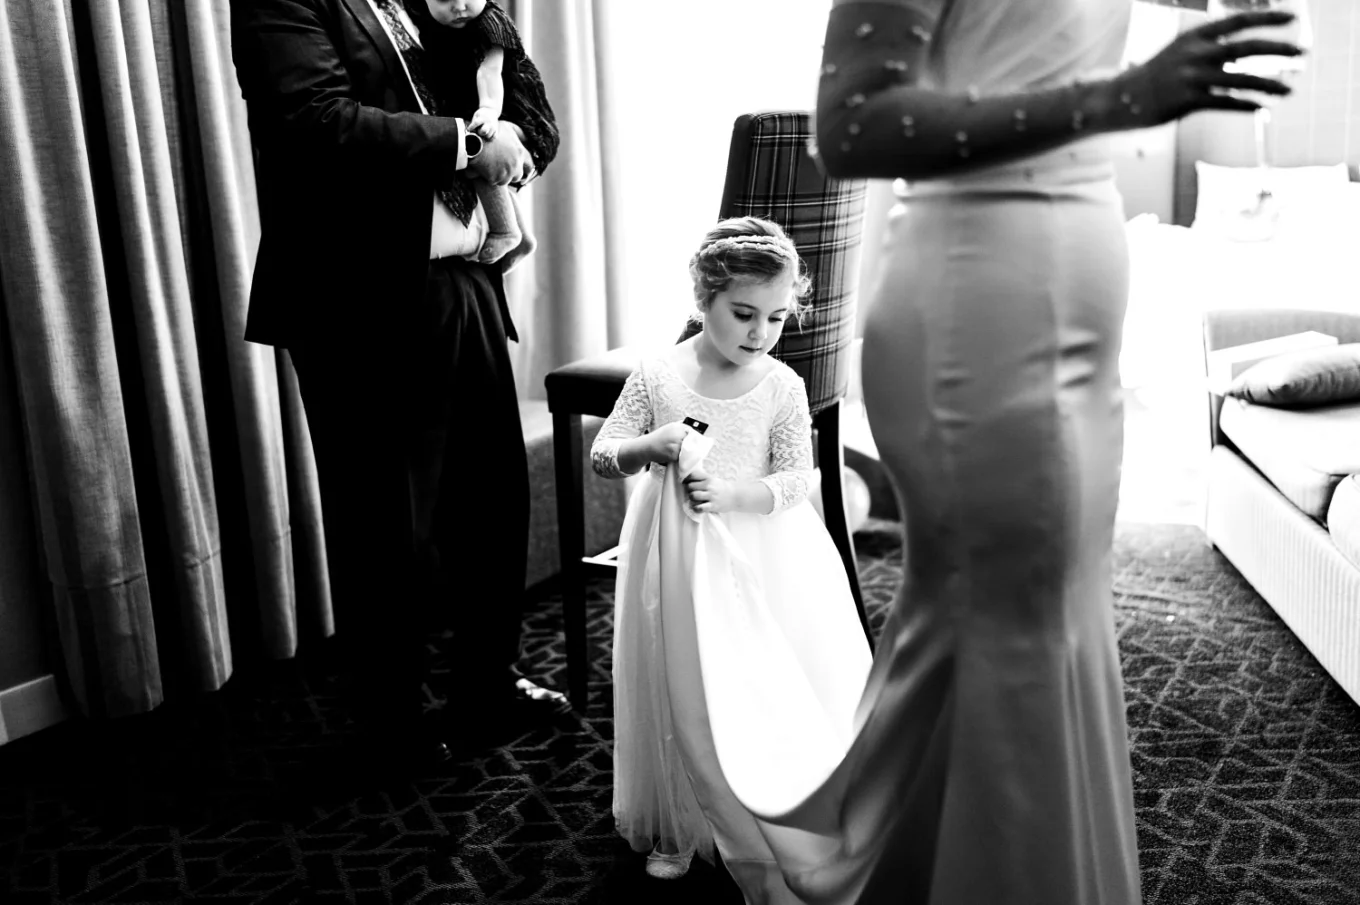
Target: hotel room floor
1246 759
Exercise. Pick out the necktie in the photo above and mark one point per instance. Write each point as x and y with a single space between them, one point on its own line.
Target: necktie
463 197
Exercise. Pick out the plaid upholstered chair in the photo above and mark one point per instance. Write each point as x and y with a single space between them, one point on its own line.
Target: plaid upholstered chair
769 175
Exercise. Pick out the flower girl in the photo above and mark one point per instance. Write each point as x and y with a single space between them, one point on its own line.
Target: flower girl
735 627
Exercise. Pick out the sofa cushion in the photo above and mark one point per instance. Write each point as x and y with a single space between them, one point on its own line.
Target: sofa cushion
1304 452
1343 518
1309 377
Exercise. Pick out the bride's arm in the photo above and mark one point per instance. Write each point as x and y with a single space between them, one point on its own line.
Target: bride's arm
876 120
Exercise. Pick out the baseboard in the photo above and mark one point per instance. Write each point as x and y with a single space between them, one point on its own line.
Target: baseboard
29 708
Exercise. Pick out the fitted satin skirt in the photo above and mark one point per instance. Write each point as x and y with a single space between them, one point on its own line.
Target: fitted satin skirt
991 382
989 757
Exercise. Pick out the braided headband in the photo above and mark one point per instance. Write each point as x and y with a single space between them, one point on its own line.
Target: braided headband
783 246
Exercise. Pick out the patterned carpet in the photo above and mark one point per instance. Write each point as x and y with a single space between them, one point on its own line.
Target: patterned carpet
1246 760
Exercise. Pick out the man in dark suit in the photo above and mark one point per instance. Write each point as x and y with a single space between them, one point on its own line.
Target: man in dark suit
366 273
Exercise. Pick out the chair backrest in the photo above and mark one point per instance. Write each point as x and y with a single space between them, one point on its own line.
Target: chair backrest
771 175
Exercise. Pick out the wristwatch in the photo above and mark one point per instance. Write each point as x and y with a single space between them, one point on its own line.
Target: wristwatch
472 144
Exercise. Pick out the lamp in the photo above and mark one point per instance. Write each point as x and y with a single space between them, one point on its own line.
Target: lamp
1262 216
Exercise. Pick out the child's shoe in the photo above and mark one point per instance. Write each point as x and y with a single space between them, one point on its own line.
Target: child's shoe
667 867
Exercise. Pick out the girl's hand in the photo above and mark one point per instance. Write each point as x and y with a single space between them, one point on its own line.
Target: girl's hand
484 122
711 494
665 442
1187 75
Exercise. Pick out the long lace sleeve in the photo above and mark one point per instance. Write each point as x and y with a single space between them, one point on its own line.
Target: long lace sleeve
631 417
790 448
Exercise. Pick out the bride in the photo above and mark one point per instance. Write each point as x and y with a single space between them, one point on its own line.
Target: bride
989 759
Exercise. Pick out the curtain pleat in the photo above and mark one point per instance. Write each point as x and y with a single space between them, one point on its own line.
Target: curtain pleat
166 348
254 378
609 111
238 563
57 310
565 298
169 459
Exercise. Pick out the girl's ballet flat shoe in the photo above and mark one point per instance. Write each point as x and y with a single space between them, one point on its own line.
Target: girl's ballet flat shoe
667 867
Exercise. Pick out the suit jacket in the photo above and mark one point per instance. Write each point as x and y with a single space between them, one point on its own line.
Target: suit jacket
346 168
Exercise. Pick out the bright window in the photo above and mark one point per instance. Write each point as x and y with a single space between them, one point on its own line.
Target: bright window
680 74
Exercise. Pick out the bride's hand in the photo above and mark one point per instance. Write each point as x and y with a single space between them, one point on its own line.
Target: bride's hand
1187 75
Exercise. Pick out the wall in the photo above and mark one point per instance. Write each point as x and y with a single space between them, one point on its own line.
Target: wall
1318 124
700 76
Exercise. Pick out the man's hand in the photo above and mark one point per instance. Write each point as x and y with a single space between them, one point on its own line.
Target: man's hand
503 160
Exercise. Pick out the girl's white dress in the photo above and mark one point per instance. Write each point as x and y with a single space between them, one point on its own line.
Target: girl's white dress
739 658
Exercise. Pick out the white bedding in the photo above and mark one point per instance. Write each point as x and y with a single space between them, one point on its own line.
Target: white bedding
1178 273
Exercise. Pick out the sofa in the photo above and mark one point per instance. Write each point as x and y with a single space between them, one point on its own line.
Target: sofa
1283 495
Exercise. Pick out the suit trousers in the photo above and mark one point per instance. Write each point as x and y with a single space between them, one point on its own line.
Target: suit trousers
422 467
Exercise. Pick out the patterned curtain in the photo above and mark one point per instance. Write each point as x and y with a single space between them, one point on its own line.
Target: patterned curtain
169 462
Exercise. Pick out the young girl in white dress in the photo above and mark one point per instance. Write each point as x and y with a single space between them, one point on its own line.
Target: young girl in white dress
727 576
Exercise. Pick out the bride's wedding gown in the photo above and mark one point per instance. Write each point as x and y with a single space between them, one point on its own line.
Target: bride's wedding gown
989 762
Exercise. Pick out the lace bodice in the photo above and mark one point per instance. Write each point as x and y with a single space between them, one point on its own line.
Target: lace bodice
764 434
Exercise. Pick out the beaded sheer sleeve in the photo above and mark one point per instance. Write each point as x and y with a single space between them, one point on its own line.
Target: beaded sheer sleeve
883 112
790 476
632 417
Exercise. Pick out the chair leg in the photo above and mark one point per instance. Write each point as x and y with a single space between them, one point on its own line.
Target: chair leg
571 545
831 459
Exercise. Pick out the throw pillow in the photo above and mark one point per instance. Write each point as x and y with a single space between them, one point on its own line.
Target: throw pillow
1321 376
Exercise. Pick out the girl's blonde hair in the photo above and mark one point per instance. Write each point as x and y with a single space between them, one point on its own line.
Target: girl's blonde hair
747 249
